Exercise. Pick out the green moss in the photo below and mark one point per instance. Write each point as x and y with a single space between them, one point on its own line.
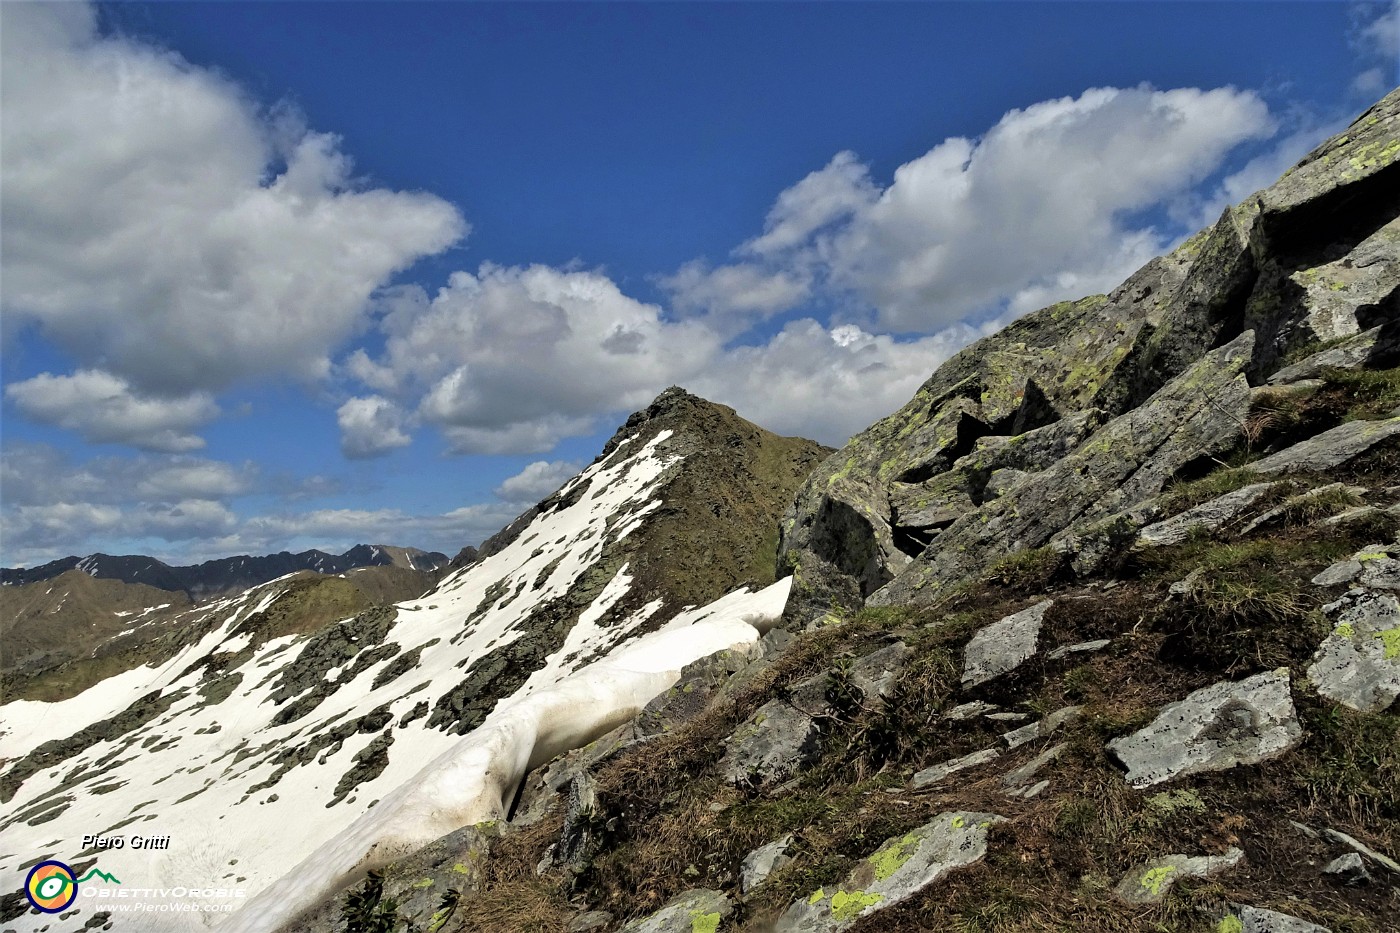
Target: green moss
701 922
891 857
848 905
1390 639
1154 878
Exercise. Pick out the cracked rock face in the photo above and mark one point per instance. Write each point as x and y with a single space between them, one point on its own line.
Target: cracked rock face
900 868
1003 646
1215 728
1358 665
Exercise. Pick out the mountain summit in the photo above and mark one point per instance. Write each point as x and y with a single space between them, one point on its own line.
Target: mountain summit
265 719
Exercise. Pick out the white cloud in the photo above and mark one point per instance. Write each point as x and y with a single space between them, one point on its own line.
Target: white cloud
35 474
182 521
104 409
1035 206
159 225
1382 35
536 481
743 291
370 426
836 192
511 360
826 384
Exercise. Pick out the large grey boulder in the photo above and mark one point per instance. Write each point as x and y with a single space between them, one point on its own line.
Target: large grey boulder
1149 882
900 868
1330 449
1003 646
1212 729
695 911
784 734
1365 278
1358 665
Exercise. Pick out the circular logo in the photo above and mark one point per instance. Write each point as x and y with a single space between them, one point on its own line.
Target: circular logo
51 887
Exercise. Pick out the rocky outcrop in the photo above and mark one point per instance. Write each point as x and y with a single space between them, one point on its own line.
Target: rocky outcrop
1082 410
1358 665
1129 460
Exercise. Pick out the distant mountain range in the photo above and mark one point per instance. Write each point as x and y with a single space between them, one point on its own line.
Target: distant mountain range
229 574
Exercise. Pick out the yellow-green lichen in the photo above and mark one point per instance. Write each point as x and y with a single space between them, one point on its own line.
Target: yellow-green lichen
958 822
438 920
1154 878
847 905
701 922
1390 640
421 884
461 869
1345 630
892 856
1230 924
817 895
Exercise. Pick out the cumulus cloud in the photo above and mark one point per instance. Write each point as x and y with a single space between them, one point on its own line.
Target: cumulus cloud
105 409
1038 200
742 291
370 426
827 383
35 474
511 360
158 221
536 481
838 191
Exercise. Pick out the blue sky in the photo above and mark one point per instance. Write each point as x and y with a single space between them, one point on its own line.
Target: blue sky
283 275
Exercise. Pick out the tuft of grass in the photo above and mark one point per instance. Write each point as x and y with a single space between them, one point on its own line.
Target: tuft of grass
1028 572
1369 393
1182 496
1308 508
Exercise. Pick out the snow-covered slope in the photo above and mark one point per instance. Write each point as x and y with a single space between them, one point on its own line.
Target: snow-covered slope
254 751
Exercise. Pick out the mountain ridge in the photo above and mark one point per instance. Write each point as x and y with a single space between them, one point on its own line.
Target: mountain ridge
226 574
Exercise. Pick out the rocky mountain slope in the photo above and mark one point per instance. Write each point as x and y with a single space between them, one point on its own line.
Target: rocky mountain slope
252 730
227 575
1097 633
